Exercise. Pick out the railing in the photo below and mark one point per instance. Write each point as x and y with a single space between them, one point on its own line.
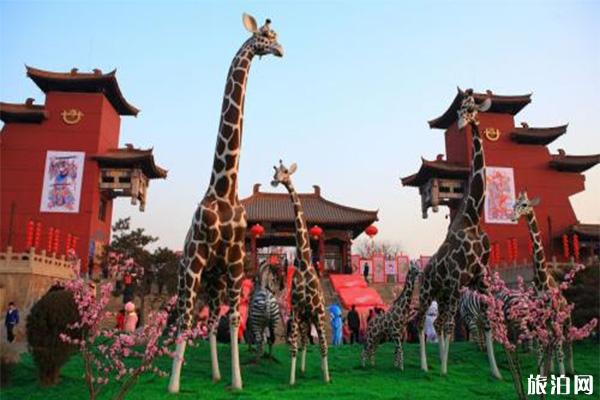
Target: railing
32 262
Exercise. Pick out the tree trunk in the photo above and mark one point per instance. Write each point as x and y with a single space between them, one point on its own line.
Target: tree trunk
515 370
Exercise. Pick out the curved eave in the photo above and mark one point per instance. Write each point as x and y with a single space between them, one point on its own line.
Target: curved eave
587 231
567 163
358 217
22 113
78 82
539 136
500 104
435 169
144 161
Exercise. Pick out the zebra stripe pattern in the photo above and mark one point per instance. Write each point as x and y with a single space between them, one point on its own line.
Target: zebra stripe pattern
263 308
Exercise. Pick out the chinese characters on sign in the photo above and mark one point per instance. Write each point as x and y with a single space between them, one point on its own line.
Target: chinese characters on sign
538 385
63 174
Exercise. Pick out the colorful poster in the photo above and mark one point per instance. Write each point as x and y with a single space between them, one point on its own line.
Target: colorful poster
500 195
356 266
403 263
390 267
63 174
379 268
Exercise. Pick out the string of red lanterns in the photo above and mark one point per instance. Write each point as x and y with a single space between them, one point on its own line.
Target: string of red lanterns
257 230
316 232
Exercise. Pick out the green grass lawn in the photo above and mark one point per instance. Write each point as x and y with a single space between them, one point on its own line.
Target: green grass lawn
468 376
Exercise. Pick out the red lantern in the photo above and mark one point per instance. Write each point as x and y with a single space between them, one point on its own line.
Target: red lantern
371 231
257 230
316 231
509 250
56 240
565 240
29 235
38 235
50 240
576 247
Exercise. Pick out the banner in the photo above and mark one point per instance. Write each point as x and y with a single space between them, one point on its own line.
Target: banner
403 264
63 174
379 268
356 265
500 195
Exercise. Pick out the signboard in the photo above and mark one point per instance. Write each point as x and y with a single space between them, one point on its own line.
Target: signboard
356 265
378 268
500 195
403 264
63 175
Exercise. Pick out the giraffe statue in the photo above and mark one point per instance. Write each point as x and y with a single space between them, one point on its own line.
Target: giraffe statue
391 325
308 306
214 245
542 279
462 259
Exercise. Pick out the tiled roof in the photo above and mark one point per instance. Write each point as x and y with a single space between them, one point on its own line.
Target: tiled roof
500 104
530 135
22 112
587 231
129 157
79 82
277 207
436 169
568 163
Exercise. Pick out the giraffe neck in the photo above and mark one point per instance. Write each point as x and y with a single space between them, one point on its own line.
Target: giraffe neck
223 181
475 196
302 239
541 279
406 294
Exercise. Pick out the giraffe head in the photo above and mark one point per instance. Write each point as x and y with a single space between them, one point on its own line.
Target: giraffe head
264 39
413 271
282 174
467 113
523 206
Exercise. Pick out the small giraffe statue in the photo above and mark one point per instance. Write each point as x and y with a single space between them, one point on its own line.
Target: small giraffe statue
391 325
542 279
462 259
308 306
214 245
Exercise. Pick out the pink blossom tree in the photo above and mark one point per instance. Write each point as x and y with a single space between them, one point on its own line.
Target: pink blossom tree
112 355
541 318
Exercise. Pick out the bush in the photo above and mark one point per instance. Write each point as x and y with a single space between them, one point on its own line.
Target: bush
49 317
9 357
585 296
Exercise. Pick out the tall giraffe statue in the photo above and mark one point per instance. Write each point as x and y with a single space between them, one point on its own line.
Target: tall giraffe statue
214 245
462 259
542 279
391 325
308 306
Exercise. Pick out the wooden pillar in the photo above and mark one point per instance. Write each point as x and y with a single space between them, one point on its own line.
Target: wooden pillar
322 251
254 254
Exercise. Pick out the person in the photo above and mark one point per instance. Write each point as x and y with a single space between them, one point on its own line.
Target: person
11 320
366 272
370 316
353 324
120 319
430 318
128 288
335 313
131 318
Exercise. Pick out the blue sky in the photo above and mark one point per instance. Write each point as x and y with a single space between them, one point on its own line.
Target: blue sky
348 102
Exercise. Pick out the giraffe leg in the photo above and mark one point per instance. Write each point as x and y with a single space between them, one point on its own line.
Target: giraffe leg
214 307
293 349
399 354
422 350
185 306
304 332
323 347
234 277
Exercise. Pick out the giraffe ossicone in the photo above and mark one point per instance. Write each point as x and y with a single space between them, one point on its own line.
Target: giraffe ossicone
214 247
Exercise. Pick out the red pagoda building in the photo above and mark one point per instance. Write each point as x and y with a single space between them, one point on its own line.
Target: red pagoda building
517 159
61 166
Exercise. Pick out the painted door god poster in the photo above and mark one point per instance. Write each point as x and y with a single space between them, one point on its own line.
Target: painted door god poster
500 195
63 175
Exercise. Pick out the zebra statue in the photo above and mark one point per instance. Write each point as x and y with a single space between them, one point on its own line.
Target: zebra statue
471 310
263 308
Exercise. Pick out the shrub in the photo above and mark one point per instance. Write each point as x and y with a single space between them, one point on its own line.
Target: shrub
9 357
48 318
